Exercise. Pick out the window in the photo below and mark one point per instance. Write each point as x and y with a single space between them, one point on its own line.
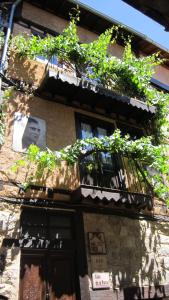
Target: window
134 132
90 130
106 169
53 60
133 178
45 225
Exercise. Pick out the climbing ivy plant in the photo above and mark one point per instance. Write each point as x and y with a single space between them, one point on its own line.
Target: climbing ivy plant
142 151
1 39
129 75
5 97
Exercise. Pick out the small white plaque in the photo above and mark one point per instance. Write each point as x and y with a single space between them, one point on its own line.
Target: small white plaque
101 280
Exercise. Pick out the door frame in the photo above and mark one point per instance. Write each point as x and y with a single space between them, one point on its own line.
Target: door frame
79 253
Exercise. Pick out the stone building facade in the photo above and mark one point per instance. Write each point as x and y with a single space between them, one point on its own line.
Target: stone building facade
65 238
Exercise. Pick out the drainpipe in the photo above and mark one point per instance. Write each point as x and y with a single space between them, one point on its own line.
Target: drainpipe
5 48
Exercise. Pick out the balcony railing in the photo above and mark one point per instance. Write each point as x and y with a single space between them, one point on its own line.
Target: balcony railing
114 172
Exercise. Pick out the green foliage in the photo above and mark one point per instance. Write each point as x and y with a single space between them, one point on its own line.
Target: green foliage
142 150
5 97
65 46
129 75
1 39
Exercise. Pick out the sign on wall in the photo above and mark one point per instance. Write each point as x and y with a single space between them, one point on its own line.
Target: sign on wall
96 243
100 280
27 131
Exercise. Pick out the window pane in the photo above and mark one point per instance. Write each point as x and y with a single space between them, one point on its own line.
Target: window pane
40 57
31 219
86 131
105 156
60 221
41 35
101 132
54 60
33 232
134 132
60 233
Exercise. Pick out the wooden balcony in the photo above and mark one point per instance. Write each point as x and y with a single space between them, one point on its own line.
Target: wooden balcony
119 182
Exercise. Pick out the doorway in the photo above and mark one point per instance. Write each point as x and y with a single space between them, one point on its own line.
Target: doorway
48 255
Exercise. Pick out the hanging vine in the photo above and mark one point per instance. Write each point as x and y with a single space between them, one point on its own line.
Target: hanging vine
5 97
150 157
129 75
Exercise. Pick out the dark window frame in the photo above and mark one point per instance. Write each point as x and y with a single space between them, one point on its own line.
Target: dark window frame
139 131
104 173
94 123
45 225
115 177
42 34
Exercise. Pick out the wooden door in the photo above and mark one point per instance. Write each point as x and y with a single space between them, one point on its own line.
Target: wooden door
47 276
61 279
32 278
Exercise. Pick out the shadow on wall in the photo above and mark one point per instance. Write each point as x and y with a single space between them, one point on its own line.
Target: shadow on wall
3 255
9 250
136 256
38 269
143 266
3 297
26 71
63 178
28 74
33 72
10 234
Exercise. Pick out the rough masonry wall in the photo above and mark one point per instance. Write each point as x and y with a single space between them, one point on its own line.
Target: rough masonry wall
137 252
9 254
60 132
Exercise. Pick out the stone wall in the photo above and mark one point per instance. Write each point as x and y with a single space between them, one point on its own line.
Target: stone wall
137 253
9 253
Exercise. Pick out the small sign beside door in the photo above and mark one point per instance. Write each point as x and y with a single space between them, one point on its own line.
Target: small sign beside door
100 280
96 243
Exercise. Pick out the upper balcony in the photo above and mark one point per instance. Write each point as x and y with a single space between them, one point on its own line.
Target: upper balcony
57 82
81 92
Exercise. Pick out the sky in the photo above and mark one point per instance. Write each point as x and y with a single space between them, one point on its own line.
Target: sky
124 13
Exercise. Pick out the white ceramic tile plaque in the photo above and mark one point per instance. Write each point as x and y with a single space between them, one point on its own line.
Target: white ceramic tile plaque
100 280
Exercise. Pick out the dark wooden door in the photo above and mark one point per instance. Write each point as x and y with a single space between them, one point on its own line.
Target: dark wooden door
47 276
61 279
32 277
